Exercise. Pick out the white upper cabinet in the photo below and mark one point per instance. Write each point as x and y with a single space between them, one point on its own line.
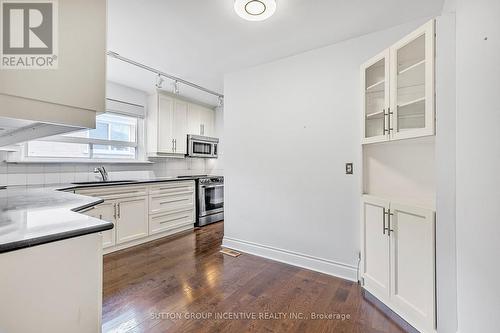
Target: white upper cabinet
398 89
412 84
180 127
166 126
201 120
170 120
375 78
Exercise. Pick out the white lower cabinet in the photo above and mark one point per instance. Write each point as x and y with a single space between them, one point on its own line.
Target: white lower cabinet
376 248
143 213
399 259
105 212
131 219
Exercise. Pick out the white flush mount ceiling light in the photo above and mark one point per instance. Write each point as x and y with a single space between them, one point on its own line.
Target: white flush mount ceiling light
255 10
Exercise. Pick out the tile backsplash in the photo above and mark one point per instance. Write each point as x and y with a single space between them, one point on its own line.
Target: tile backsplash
12 174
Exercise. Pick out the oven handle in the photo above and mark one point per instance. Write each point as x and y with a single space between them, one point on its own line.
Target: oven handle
212 186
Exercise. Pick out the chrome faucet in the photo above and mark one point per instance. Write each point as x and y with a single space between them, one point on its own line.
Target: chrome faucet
103 172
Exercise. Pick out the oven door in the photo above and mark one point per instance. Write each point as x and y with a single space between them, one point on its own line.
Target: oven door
211 199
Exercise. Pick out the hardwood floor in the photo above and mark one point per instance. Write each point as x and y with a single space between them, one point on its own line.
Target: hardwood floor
154 287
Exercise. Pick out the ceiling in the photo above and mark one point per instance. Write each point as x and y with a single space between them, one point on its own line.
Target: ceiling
201 40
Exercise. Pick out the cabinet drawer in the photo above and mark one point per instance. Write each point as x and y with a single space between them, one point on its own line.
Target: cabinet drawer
171 220
171 202
108 192
172 188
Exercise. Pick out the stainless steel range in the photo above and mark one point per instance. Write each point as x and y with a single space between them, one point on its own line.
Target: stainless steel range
210 194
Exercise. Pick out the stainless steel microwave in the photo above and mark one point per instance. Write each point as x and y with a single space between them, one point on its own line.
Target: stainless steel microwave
202 146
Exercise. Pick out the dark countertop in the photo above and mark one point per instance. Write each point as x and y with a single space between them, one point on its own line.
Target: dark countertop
32 216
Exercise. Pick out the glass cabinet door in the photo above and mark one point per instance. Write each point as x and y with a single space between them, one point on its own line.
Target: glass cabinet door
412 85
375 79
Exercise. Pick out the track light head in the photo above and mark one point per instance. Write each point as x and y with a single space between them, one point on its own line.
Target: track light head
159 82
175 88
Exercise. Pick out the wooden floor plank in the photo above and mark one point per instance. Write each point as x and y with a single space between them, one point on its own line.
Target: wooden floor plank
146 287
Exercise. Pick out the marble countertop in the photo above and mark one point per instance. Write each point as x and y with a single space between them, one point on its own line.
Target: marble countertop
32 216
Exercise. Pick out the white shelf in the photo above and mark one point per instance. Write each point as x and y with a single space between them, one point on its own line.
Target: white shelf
370 115
375 85
412 67
415 101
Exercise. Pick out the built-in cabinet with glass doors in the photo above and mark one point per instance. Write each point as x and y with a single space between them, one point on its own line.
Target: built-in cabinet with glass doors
398 89
398 200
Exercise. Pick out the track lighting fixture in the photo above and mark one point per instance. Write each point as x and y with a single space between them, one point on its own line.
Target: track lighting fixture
159 82
175 88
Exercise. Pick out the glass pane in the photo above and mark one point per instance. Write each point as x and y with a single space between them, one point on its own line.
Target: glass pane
202 148
375 99
110 126
58 149
120 128
105 151
100 132
411 85
214 198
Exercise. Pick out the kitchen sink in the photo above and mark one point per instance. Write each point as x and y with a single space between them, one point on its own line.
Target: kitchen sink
104 182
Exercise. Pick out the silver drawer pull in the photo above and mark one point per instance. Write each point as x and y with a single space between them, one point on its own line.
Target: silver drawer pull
171 201
172 213
177 219
171 188
159 196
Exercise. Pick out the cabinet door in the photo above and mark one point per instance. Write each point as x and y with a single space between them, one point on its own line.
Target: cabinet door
412 265
180 127
165 117
132 219
106 212
376 259
412 84
194 119
207 122
375 80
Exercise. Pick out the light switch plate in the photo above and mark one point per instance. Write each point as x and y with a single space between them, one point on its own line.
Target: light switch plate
349 169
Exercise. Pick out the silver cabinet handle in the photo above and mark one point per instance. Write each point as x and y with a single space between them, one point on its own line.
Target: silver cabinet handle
119 210
385 131
383 221
389 113
176 219
389 230
100 216
171 201
173 149
114 211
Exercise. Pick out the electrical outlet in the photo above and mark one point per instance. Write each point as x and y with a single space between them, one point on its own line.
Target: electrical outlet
349 170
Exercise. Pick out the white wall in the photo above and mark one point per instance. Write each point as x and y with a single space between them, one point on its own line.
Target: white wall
445 172
478 164
290 126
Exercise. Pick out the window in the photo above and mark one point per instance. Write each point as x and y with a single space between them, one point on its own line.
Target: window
115 137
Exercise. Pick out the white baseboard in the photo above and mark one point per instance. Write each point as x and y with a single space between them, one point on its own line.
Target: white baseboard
321 265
